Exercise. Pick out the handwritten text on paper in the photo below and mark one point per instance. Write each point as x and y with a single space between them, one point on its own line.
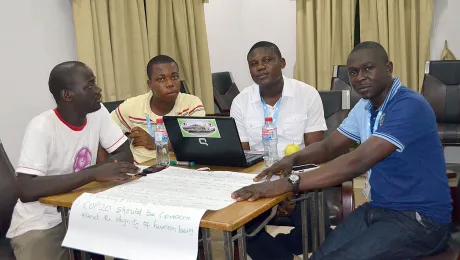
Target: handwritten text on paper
129 230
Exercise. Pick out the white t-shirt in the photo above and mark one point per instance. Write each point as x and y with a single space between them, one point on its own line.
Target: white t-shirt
300 111
53 147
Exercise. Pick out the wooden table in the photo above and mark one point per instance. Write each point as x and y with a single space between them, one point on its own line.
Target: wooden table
228 219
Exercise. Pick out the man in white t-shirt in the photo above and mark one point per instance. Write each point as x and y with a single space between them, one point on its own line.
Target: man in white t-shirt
297 111
58 155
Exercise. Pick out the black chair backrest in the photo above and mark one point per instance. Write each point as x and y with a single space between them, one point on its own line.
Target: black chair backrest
8 191
224 90
341 81
335 111
222 81
332 101
112 105
441 87
184 87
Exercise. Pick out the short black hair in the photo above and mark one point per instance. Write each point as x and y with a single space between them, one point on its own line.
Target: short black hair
265 44
159 59
61 77
375 47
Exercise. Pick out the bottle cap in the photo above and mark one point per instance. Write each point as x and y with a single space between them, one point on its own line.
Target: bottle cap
159 120
268 119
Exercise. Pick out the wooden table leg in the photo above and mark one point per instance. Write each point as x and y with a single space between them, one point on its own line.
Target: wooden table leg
228 245
206 236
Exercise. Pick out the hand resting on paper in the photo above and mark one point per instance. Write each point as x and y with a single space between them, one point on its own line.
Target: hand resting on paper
282 167
116 171
263 190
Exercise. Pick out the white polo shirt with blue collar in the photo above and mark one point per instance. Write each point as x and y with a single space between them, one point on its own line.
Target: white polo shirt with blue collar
412 178
300 111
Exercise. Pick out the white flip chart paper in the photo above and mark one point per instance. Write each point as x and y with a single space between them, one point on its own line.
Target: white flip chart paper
154 217
116 227
180 187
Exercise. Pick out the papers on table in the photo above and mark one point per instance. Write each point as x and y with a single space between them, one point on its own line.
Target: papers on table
154 217
180 187
132 230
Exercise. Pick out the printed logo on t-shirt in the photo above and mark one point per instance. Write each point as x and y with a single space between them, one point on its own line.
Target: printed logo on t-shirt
82 159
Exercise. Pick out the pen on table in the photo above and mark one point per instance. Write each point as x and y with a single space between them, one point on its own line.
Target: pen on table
149 124
183 163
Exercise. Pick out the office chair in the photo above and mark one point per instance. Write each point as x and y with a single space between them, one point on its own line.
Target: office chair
341 81
441 87
224 90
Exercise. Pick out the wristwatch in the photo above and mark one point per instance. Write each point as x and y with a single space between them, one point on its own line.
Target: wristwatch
294 179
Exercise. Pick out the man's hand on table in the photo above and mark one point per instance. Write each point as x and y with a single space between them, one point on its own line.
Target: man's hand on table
116 171
268 188
263 190
282 167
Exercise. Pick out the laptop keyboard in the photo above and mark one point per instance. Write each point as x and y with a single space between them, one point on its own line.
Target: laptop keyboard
250 157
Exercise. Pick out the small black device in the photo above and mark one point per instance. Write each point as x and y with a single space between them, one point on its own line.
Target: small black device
303 168
153 169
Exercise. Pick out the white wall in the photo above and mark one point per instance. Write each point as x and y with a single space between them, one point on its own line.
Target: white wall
446 20
233 26
35 36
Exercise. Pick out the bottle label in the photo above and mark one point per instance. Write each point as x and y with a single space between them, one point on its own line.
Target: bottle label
161 135
268 134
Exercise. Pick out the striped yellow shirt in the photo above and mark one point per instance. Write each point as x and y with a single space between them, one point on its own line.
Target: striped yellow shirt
131 113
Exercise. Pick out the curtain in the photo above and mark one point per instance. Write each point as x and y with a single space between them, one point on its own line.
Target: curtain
117 39
403 28
324 38
177 28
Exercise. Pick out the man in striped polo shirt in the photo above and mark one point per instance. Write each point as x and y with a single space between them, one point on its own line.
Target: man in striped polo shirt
164 99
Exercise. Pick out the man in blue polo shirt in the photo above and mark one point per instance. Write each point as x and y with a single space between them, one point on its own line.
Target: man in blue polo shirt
408 215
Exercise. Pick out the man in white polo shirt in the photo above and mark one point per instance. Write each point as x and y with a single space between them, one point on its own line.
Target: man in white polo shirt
295 107
297 111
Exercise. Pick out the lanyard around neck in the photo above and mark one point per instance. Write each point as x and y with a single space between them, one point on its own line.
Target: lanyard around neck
275 113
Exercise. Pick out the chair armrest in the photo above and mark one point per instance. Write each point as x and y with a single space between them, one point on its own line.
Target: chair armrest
348 203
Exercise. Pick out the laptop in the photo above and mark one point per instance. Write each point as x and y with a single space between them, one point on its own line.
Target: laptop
208 141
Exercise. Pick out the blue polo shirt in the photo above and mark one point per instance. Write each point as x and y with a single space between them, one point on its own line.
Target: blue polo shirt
414 176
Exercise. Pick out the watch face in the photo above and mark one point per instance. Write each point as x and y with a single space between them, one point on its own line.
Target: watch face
294 177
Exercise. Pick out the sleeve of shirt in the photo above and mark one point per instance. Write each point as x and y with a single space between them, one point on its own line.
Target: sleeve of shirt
350 126
401 123
237 114
120 117
111 137
35 149
315 115
196 108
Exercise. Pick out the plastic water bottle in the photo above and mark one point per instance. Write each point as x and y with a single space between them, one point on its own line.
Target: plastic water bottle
270 142
161 142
